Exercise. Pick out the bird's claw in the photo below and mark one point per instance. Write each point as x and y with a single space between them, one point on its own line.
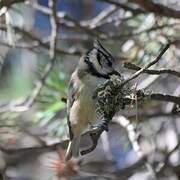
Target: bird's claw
95 131
102 126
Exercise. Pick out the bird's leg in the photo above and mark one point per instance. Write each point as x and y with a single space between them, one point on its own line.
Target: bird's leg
102 126
94 138
95 132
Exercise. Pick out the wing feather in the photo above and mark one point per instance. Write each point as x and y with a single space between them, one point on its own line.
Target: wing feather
71 98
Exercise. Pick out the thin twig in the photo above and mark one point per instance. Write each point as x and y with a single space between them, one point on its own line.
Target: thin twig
43 43
9 3
135 75
152 71
165 163
70 22
135 11
25 104
157 8
100 17
163 97
148 30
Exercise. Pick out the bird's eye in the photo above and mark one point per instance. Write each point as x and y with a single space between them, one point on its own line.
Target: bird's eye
103 59
99 58
109 63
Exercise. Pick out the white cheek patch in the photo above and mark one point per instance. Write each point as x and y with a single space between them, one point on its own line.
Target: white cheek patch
97 66
93 56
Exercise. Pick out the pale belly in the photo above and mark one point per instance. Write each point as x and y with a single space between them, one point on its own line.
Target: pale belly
83 113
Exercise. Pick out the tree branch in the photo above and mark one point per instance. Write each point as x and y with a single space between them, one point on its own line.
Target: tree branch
9 3
158 8
152 71
158 97
37 42
135 75
25 104
135 11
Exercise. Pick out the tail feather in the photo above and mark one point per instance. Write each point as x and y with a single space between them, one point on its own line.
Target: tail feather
73 149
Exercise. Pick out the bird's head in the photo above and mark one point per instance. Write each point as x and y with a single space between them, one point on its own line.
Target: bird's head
99 61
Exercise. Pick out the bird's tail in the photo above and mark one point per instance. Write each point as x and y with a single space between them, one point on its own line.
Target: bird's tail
73 149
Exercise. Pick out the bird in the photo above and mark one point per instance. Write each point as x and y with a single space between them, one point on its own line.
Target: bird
94 68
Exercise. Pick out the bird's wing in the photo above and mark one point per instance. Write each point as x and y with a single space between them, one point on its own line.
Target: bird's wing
71 98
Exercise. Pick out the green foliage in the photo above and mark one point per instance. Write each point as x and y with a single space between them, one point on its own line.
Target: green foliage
50 104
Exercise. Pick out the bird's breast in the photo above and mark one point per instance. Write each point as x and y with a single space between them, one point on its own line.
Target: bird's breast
87 105
83 112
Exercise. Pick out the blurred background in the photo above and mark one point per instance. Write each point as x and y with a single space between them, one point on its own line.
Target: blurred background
143 140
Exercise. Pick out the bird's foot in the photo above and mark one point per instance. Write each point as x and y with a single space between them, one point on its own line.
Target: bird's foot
103 126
